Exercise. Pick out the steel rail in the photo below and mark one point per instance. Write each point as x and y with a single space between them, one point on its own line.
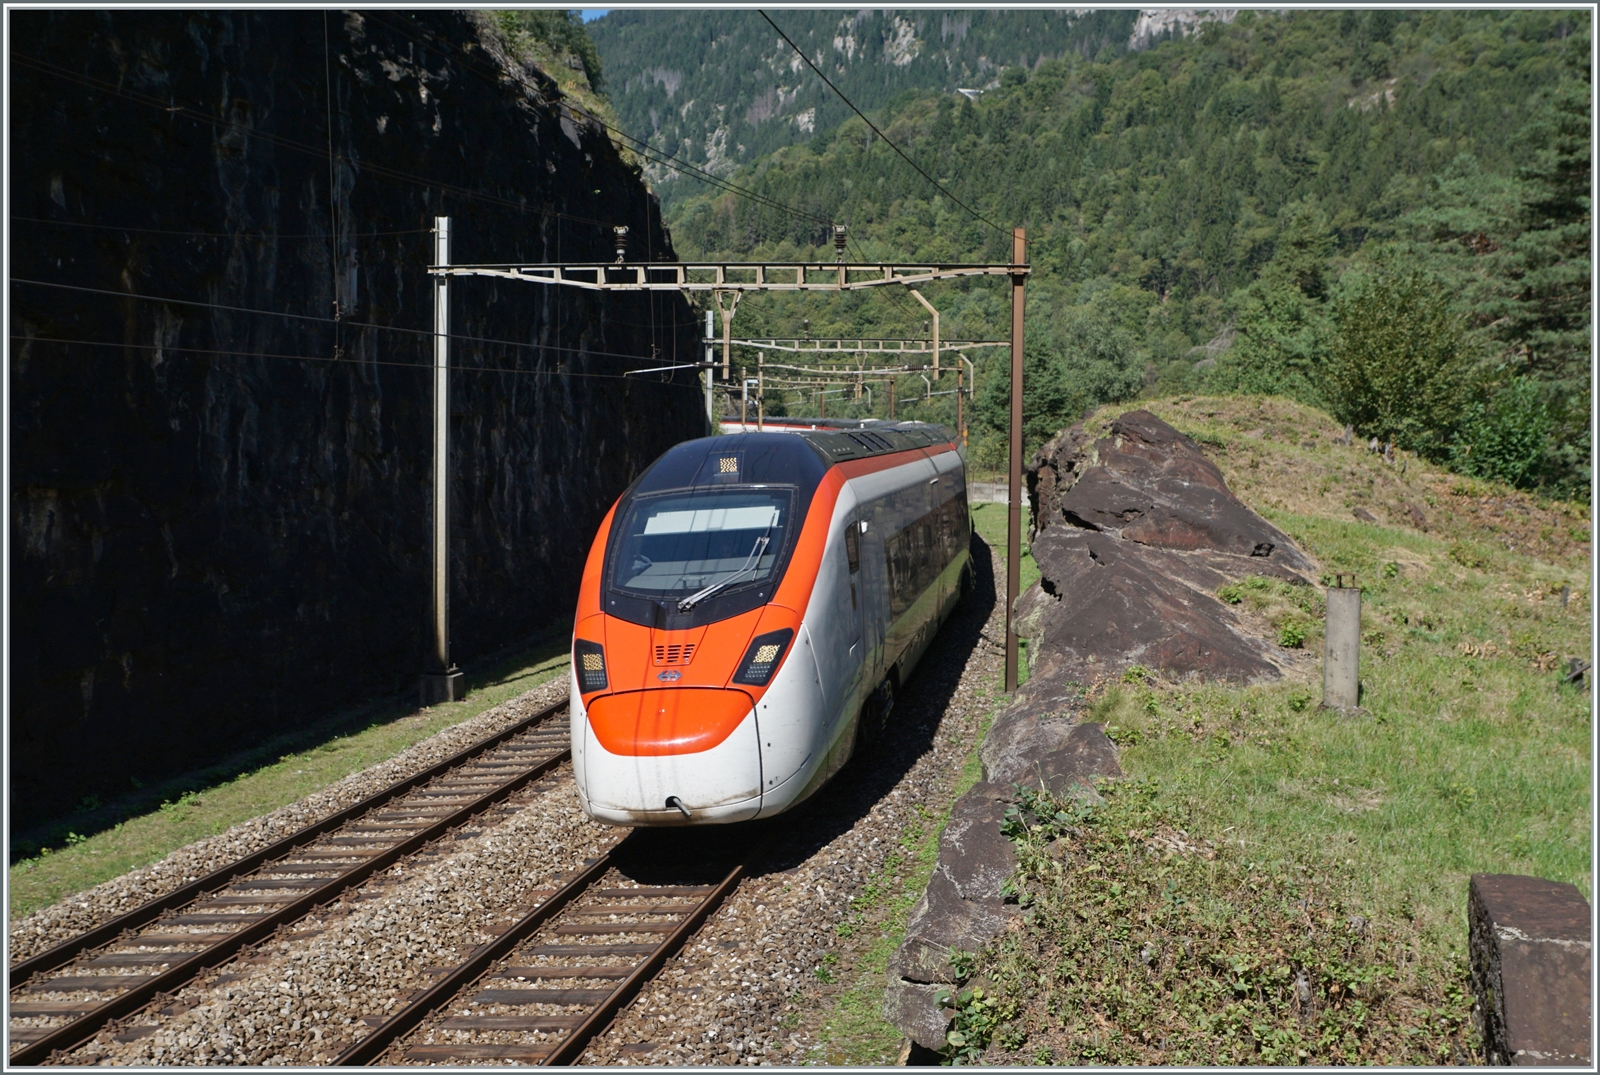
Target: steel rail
81 1029
440 993
574 1043
370 1048
68 950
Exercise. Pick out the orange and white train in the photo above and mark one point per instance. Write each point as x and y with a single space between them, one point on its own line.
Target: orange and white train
749 608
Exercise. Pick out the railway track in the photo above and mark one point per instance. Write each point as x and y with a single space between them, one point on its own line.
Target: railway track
555 979
63 996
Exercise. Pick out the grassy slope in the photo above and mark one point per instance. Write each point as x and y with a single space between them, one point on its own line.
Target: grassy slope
146 838
1472 756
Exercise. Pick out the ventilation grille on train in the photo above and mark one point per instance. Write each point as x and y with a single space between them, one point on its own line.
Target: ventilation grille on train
675 653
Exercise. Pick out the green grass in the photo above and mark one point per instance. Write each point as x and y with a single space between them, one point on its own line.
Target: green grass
1469 755
854 1032
989 520
1151 945
209 808
1473 756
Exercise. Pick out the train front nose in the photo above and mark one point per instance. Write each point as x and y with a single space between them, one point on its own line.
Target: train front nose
672 756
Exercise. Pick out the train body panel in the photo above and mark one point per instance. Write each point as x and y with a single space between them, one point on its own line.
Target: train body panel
741 604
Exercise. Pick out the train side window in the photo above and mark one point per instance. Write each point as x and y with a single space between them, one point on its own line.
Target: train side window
852 545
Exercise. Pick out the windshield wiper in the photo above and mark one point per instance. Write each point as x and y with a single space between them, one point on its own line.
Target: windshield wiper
694 599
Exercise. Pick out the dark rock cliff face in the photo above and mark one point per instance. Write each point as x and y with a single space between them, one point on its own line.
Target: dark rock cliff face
220 518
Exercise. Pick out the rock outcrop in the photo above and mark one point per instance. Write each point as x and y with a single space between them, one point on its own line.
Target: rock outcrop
220 518
1134 533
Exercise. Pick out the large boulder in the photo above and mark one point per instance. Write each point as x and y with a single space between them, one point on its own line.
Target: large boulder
1134 532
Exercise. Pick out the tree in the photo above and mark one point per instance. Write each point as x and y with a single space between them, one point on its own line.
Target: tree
1044 397
1398 362
1282 317
563 31
1505 434
1099 362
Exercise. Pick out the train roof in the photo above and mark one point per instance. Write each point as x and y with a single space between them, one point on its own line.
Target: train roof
837 440
785 456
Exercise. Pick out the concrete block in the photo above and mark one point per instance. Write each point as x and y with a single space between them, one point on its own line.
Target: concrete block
437 687
1529 943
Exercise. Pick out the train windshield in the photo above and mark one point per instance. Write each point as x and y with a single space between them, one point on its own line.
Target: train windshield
689 547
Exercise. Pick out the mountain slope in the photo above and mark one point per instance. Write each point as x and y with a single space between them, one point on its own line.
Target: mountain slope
720 88
1218 188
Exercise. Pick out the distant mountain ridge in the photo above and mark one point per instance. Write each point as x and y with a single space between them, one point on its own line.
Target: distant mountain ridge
720 88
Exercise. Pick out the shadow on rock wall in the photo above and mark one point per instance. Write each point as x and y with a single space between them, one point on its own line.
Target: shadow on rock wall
220 517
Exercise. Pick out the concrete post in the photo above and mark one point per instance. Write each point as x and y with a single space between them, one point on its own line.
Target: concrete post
1341 663
443 682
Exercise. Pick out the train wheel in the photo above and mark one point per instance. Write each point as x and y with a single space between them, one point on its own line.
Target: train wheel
874 723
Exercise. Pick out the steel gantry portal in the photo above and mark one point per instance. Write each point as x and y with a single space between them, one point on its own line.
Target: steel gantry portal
731 280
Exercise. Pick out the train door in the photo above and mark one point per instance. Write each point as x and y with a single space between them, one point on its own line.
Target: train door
860 653
872 586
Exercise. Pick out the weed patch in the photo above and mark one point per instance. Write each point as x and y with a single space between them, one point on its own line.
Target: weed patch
1155 946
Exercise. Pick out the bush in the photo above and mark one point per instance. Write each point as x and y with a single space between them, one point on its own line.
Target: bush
1398 363
1506 436
562 31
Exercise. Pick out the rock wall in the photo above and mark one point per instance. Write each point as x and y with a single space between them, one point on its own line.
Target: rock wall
220 518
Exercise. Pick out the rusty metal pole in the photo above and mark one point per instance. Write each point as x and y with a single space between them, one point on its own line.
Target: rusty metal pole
891 399
441 683
1019 254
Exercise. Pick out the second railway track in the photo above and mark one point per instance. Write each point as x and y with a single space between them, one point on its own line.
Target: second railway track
61 997
555 978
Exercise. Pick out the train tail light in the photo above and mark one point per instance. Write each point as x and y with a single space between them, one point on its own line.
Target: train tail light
763 657
589 659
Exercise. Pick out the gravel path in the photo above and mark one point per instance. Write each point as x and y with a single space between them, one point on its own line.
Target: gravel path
725 998
51 925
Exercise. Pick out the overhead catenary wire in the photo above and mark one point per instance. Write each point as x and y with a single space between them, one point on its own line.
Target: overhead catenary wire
632 375
666 159
257 237
887 141
323 320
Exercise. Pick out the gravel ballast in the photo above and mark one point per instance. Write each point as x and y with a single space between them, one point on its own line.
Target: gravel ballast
300 998
66 918
746 989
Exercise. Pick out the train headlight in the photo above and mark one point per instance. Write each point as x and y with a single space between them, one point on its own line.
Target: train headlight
762 658
589 659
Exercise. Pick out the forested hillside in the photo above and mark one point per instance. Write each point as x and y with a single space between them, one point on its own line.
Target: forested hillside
719 88
1384 214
